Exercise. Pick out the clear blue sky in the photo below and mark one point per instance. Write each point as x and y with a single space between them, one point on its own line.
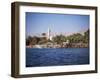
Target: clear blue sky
37 23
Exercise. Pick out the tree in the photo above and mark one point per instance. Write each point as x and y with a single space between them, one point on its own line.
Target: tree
75 38
34 40
86 36
59 39
28 40
42 40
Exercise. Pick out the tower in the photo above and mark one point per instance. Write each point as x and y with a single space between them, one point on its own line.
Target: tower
49 37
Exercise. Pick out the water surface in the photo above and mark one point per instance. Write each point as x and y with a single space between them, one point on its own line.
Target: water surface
56 56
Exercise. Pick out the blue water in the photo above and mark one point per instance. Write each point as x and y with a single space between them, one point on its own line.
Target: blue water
56 56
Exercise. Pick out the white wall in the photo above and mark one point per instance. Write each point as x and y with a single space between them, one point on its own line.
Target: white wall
5 40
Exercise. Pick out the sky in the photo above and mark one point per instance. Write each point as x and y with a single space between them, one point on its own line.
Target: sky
37 23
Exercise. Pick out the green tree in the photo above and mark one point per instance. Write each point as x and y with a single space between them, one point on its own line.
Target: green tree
32 40
86 37
75 38
28 40
59 39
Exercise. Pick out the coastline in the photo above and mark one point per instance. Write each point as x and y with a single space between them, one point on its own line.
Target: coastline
71 45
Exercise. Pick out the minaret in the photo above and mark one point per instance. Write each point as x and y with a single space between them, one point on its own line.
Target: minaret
49 37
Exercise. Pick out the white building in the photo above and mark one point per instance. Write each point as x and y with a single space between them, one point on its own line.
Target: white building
49 36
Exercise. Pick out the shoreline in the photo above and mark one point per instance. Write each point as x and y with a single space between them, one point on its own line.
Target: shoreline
59 46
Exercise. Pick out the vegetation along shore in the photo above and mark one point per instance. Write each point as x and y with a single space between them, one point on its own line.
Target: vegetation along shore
75 40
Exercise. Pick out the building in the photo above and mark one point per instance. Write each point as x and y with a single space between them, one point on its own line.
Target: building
49 36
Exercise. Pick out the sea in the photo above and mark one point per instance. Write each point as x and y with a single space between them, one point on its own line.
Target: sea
38 57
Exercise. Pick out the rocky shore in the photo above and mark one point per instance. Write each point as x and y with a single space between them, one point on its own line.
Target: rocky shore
53 45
